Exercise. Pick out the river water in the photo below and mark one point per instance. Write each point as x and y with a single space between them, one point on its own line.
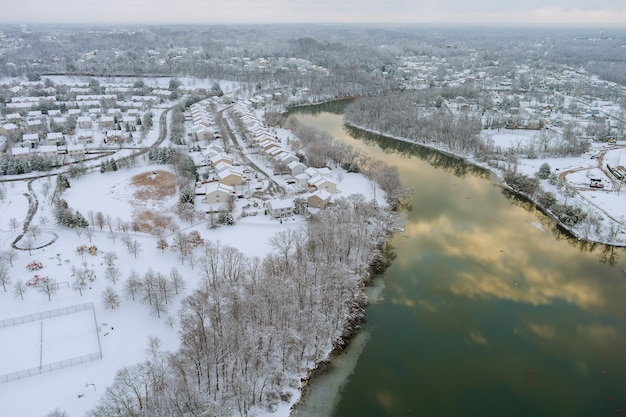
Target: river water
488 309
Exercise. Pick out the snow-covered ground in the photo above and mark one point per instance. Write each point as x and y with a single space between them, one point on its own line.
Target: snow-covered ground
607 203
124 332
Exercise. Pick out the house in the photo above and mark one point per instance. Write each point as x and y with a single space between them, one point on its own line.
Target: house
107 123
296 168
280 208
9 129
13 117
222 166
54 138
214 160
313 172
218 193
33 126
230 177
84 122
318 199
286 158
323 183
129 121
30 138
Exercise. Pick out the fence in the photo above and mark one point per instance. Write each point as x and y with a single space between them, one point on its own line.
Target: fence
49 367
25 373
45 315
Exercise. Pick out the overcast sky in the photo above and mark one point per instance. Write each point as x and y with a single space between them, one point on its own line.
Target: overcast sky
545 12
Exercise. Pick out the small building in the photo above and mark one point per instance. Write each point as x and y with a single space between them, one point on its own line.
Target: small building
84 122
323 183
230 177
214 160
280 208
217 193
319 199
55 138
296 168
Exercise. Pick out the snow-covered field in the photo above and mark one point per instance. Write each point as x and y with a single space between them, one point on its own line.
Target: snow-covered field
123 332
607 203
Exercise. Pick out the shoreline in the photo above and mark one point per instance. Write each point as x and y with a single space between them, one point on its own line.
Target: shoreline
495 177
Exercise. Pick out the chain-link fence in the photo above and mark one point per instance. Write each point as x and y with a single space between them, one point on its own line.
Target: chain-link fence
49 367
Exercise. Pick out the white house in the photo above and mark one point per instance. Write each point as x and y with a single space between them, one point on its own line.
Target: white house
296 168
280 208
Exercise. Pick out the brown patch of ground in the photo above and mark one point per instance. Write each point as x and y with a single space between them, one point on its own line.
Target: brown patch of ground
147 220
154 185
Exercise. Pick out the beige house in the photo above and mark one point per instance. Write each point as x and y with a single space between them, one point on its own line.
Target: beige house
323 183
214 160
230 177
319 199
217 193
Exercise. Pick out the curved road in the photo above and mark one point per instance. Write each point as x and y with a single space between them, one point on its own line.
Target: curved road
600 165
33 203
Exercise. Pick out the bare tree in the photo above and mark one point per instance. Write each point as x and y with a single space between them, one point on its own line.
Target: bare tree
110 299
181 244
13 223
178 283
154 346
4 276
49 287
110 258
112 274
8 255
19 288
80 283
135 247
132 285
162 244
100 220
29 243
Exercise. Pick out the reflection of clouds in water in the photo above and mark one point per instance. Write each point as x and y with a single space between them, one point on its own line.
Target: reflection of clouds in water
542 330
602 334
477 338
387 401
486 268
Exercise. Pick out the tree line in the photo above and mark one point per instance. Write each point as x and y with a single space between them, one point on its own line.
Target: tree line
253 327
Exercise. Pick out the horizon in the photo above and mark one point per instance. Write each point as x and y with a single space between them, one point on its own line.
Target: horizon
534 13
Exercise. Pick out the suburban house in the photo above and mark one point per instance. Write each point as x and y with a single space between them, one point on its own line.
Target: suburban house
230 177
30 139
280 208
323 183
33 125
9 129
319 199
296 168
313 172
84 122
286 158
214 160
54 138
218 193
107 123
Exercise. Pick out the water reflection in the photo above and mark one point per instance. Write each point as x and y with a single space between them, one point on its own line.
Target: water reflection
489 308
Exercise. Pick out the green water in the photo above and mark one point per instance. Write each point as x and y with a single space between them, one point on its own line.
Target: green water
488 310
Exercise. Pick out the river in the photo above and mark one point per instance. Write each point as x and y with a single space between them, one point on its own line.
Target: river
488 309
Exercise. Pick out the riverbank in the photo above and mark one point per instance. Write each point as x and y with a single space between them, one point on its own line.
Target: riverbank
611 230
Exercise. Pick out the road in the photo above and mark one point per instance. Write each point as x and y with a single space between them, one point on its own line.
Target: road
32 197
275 187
